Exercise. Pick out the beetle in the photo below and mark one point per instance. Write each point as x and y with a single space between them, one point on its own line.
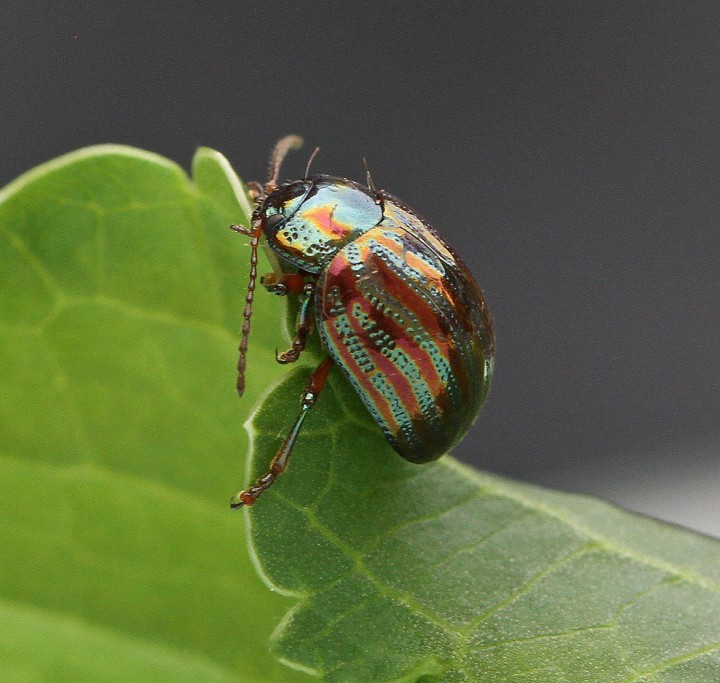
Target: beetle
395 308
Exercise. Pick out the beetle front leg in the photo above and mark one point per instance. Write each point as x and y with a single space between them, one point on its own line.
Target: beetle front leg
303 328
284 284
279 463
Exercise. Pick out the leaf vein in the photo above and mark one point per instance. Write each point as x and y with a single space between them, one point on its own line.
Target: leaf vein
325 630
22 248
569 633
391 531
665 581
500 490
362 568
162 317
482 540
71 401
672 662
526 585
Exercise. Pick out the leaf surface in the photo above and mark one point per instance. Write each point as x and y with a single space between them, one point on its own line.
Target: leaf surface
437 572
121 440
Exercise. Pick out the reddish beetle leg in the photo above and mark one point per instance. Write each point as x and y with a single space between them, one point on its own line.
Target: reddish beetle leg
284 283
303 328
294 283
279 463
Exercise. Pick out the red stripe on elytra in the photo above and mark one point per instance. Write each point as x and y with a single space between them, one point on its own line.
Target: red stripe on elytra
426 316
395 379
342 274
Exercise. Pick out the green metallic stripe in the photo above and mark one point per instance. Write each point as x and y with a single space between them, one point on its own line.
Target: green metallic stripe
462 303
419 322
345 349
399 311
347 338
344 343
347 342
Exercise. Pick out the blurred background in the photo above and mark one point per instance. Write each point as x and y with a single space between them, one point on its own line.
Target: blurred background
569 151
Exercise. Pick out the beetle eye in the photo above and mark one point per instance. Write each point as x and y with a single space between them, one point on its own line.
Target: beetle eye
272 222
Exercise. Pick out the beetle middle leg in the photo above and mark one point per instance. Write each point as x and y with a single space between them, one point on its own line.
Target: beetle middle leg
303 327
294 283
279 463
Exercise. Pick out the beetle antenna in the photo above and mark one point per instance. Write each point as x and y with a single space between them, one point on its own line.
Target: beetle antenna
255 234
370 183
310 160
283 146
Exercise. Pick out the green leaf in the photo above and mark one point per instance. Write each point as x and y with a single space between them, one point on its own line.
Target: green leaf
436 572
120 441
121 433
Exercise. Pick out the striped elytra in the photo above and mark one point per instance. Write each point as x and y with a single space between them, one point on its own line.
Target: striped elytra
396 310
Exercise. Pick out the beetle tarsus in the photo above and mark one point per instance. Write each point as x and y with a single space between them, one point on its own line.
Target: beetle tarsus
289 356
279 463
241 230
303 328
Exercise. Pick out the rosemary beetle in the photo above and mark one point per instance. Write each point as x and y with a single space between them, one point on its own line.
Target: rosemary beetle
395 308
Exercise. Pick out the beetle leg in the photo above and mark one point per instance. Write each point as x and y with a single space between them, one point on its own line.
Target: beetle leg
303 328
279 463
286 283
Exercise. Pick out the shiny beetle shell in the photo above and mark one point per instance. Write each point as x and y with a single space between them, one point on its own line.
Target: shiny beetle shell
396 308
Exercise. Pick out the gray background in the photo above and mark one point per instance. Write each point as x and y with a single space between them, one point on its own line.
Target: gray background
569 151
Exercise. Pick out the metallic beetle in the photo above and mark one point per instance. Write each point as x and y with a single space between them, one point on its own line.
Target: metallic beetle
396 310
